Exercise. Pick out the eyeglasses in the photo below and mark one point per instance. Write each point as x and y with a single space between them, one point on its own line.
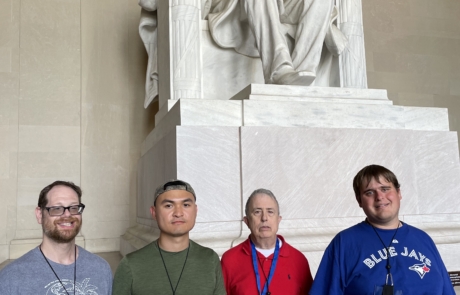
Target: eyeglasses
59 210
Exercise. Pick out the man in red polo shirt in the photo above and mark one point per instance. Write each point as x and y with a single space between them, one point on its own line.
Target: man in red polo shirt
265 263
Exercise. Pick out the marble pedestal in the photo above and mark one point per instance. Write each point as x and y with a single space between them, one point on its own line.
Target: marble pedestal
305 144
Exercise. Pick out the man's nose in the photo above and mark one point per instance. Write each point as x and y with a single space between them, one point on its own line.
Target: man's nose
66 212
378 195
264 216
178 211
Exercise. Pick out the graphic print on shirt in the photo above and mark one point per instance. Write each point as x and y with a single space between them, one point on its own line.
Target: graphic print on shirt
421 269
422 263
83 288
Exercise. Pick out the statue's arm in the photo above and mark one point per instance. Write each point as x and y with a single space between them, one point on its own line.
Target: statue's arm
149 5
148 32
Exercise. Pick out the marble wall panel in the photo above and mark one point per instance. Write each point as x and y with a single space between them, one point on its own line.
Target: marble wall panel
4 116
108 185
317 114
27 226
4 164
450 257
105 127
213 150
114 122
105 186
5 59
217 112
451 102
418 118
149 168
437 171
5 134
412 63
105 51
49 139
403 82
54 76
6 22
156 166
7 191
9 83
95 230
103 245
419 99
205 234
50 23
415 55
9 93
295 174
49 113
49 165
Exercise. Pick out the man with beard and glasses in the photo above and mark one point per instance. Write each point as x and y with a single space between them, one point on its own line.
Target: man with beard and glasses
58 265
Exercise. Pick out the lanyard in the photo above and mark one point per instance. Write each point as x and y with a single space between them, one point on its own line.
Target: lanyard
272 267
74 269
388 267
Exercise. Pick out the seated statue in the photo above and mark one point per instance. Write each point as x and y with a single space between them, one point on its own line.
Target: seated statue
288 36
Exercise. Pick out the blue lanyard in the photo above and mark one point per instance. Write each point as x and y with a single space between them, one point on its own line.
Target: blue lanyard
272 268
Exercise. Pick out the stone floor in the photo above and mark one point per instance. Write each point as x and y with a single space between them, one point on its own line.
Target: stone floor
113 258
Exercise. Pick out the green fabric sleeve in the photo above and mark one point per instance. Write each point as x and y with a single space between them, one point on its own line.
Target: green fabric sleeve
220 287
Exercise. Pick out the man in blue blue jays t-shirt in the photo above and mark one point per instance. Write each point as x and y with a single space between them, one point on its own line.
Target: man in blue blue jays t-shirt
381 255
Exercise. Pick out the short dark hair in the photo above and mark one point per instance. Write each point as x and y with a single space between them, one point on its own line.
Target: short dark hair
43 197
262 191
365 176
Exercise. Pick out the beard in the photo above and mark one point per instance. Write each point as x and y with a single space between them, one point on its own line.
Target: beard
51 230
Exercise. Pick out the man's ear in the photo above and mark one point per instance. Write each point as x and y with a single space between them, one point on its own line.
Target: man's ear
246 220
153 213
38 215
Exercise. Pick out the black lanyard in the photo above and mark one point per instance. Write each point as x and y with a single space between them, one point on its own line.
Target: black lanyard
388 266
74 270
180 276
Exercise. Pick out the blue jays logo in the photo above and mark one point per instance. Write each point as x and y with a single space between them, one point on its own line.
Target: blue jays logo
421 269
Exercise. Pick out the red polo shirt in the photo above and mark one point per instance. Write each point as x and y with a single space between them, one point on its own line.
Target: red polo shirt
292 274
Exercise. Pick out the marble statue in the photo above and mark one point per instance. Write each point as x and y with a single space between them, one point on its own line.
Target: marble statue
264 28
149 35
288 36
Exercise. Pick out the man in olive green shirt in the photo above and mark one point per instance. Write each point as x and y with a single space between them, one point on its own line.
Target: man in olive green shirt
173 264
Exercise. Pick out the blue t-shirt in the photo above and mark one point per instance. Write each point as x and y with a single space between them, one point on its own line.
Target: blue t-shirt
31 275
355 263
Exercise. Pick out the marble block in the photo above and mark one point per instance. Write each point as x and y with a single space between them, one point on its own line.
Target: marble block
310 170
297 106
269 91
305 144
